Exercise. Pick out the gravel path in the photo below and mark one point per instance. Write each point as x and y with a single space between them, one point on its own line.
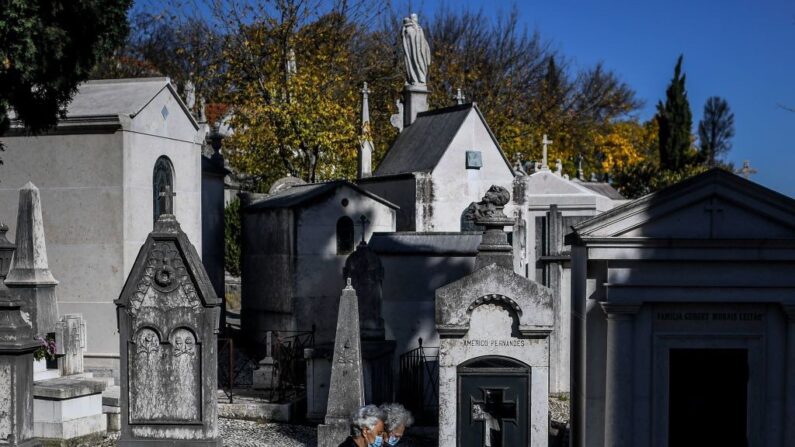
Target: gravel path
238 433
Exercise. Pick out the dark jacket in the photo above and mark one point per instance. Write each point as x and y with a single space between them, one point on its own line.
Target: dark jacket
348 442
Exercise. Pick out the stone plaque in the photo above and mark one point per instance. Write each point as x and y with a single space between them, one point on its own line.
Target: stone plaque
168 321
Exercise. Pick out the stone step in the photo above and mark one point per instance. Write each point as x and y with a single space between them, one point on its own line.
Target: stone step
110 397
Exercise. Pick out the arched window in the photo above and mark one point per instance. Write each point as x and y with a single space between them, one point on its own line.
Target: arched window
163 175
345 235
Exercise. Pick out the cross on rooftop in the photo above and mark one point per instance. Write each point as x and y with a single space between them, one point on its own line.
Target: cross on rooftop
168 200
546 142
363 219
746 171
459 97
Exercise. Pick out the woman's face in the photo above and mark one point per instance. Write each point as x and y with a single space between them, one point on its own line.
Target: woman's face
376 432
395 435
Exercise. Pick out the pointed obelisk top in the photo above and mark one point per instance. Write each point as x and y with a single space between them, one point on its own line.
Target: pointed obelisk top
29 264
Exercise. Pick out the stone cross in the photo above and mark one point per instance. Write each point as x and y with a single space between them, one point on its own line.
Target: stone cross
168 200
546 142
746 171
70 342
459 97
364 220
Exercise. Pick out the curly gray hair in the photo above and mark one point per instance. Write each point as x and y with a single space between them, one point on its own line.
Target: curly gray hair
366 417
396 416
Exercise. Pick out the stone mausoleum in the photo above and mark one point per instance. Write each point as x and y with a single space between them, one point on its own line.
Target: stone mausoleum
682 315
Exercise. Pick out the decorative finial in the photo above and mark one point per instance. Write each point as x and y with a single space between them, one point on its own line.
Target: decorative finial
459 97
580 173
292 67
559 167
545 142
348 284
593 177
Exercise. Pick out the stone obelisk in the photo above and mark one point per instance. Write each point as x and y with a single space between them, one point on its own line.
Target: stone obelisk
30 278
346 389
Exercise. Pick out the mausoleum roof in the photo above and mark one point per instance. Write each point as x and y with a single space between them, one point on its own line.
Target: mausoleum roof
605 189
418 243
716 205
420 146
302 195
110 99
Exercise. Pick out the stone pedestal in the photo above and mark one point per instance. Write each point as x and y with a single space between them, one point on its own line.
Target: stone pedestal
68 409
16 361
29 277
415 100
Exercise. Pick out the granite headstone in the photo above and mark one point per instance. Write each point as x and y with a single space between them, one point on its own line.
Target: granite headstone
168 323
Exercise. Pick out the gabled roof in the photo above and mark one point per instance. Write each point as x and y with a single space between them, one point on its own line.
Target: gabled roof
605 189
713 205
302 195
420 146
112 98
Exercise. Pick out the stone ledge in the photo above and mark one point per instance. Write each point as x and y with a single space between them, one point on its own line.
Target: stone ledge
67 430
64 388
111 396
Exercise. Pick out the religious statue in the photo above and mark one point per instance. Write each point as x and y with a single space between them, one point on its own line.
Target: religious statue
491 206
416 51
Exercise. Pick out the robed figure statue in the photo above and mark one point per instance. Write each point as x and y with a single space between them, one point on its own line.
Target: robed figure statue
416 51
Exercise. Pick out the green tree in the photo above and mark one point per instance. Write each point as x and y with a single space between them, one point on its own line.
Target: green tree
232 236
675 122
47 48
715 130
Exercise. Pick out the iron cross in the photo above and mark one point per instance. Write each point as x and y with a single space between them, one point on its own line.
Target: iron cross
493 411
168 200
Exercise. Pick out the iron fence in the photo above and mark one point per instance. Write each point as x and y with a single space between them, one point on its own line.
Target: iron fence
419 383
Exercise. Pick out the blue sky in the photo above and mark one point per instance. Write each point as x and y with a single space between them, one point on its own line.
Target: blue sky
743 51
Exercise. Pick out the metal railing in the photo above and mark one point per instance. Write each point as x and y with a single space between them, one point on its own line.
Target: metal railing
237 363
419 383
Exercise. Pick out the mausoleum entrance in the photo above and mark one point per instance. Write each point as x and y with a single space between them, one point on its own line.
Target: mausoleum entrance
493 400
708 397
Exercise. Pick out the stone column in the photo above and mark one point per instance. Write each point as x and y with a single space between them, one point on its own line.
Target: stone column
789 400
618 389
415 100
30 278
16 361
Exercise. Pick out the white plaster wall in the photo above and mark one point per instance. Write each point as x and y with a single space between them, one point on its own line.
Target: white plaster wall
454 186
79 179
318 278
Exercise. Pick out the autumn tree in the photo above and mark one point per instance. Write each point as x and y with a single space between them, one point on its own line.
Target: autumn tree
675 122
715 130
47 49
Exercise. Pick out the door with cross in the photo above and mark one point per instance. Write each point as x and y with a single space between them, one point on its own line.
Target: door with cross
493 406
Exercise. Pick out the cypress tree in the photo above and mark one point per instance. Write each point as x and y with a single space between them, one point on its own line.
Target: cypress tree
675 121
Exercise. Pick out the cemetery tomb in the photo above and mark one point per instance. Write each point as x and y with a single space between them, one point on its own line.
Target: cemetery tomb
168 323
494 350
688 335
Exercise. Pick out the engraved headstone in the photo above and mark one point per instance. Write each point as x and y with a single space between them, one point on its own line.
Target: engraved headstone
494 326
70 343
16 361
168 324
346 391
29 277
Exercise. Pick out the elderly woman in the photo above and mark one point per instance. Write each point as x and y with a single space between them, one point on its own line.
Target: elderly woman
367 424
398 419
